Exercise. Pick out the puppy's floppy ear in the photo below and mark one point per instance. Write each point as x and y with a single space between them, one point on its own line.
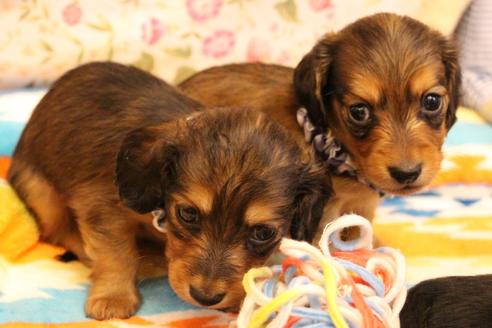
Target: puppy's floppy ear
314 191
146 168
453 77
310 78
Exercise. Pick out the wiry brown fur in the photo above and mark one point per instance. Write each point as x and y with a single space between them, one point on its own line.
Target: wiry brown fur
386 61
110 143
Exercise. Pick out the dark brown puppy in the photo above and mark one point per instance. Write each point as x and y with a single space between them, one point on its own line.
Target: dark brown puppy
386 87
109 144
449 302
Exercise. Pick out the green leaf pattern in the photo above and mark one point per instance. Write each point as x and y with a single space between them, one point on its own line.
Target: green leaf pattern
287 10
145 62
183 73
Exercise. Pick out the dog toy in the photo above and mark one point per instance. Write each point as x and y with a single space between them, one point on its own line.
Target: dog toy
355 286
18 230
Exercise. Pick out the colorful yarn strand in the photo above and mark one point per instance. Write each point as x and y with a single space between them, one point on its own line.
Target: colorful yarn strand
356 286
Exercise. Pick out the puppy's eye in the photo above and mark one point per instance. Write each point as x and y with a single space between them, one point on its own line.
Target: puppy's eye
359 114
187 214
262 234
431 102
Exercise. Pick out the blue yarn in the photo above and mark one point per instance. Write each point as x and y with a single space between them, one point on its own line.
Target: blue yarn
269 287
312 314
309 323
345 246
289 273
314 302
320 325
371 279
303 279
301 323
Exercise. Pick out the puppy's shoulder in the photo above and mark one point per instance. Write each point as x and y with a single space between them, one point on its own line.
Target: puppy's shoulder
113 74
249 73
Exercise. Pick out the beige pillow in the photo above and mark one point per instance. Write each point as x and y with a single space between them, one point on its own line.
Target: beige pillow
42 39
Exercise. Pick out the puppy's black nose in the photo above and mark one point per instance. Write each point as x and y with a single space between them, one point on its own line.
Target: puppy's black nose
405 176
205 298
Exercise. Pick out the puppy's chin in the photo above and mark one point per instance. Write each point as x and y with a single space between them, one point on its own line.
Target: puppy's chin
405 190
399 190
382 181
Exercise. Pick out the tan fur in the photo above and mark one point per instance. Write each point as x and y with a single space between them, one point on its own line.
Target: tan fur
259 212
199 196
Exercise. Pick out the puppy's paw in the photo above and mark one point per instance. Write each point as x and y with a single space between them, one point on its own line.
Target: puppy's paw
118 305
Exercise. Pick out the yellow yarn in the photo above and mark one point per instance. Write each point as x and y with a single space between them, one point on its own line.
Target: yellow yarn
261 315
331 295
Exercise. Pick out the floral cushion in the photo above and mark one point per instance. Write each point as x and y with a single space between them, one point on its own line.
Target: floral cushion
42 39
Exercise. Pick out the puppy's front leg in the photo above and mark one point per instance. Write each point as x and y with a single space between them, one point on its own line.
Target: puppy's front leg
110 243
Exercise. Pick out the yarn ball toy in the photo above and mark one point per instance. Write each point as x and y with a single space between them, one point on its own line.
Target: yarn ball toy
354 286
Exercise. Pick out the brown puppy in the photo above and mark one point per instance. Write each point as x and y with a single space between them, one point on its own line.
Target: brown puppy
385 88
449 302
109 144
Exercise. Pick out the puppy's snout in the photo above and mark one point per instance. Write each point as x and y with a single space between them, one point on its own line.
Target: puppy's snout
404 175
206 298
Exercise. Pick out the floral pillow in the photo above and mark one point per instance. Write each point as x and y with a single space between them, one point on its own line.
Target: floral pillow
41 39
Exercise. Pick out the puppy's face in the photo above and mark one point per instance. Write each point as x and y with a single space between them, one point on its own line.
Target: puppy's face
232 185
387 86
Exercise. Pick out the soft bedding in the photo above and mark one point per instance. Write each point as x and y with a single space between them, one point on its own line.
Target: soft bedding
444 230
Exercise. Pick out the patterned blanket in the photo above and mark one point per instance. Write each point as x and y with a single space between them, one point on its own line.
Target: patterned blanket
443 230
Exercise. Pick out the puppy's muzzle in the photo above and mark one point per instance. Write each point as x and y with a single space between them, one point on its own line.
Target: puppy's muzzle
405 176
206 298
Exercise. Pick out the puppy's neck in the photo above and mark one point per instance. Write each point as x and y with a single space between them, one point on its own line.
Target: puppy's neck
330 150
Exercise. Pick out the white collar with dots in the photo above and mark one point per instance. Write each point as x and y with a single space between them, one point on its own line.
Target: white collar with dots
330 150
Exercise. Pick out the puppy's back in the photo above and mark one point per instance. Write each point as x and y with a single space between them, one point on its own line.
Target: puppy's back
464 302
88 111
265 87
